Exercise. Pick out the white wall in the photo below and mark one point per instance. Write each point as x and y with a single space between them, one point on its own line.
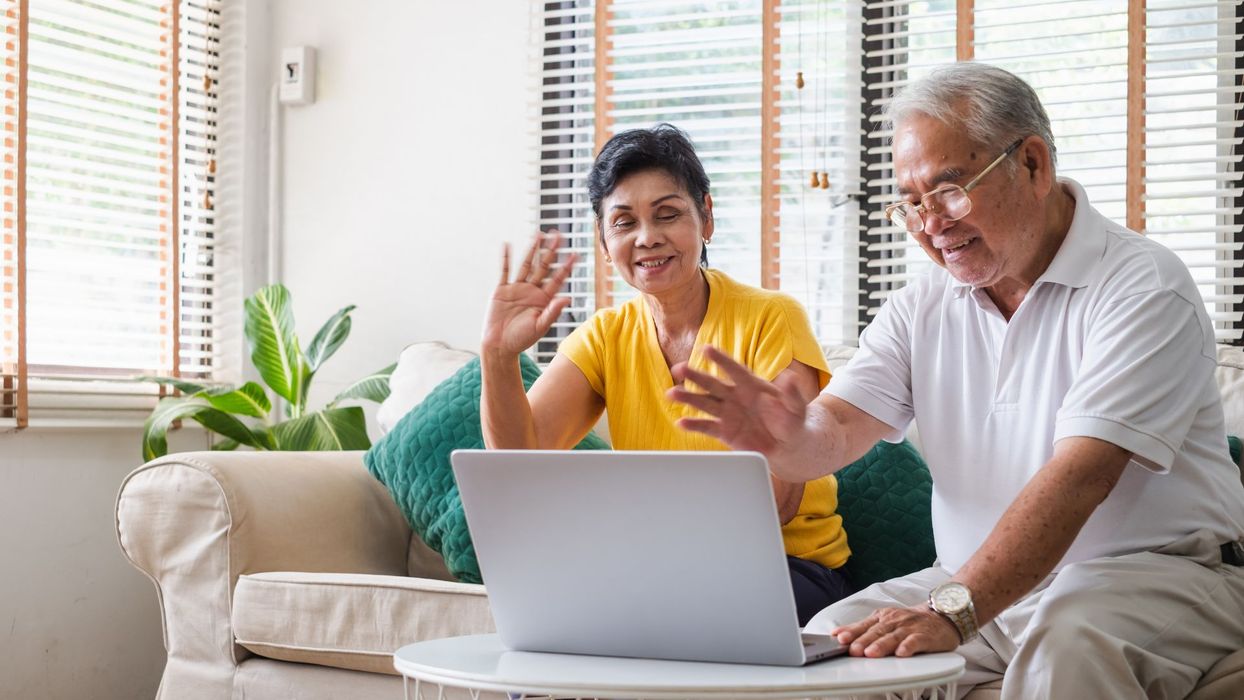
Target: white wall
413 165
76 620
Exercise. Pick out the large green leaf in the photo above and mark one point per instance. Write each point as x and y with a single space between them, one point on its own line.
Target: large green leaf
269 330
248 400
220 422
155 429
329 338
330 429
373 387
175 382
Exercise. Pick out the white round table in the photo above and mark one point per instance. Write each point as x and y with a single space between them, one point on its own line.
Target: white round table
480 663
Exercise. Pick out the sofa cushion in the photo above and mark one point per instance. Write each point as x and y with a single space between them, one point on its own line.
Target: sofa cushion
413 462
353 621
884 499
420 368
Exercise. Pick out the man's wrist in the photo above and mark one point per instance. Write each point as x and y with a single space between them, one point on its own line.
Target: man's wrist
953 602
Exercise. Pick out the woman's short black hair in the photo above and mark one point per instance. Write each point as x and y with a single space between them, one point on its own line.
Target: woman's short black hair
663 147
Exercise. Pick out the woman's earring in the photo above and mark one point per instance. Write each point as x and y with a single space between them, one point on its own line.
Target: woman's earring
608 259
705 241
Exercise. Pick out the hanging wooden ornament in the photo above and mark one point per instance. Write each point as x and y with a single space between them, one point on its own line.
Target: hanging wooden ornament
824 181
814 182
799 80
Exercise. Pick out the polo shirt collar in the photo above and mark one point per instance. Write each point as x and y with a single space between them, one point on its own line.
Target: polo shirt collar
1073 265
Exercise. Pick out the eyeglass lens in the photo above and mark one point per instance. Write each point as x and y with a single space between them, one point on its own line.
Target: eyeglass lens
950 203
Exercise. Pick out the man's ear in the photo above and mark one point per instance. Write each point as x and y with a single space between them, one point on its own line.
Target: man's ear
1034 156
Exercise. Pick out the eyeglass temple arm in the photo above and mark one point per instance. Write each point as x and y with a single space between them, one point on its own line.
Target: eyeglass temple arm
1009 150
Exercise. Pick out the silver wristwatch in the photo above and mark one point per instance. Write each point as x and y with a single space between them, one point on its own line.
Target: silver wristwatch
953 601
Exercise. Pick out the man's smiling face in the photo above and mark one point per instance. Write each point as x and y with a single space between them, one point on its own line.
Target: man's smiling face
1001 236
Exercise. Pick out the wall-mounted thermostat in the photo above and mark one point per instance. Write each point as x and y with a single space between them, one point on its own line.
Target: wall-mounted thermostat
297 75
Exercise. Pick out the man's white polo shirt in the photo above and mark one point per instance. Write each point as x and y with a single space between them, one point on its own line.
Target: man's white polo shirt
1112 342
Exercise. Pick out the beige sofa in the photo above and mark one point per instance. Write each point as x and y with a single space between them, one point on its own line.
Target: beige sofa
293 575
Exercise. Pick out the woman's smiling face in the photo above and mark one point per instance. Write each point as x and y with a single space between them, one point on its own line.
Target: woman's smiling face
654 231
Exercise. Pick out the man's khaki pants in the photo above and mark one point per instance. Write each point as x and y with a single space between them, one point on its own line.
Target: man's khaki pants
1140 625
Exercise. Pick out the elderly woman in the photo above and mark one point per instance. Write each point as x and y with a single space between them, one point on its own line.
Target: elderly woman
654 214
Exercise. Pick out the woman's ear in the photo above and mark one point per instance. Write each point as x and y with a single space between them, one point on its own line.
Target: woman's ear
600 238
708 216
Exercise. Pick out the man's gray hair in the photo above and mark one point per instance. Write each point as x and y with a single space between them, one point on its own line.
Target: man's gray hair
993 106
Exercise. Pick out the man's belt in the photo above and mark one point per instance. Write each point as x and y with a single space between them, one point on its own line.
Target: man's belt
1233 553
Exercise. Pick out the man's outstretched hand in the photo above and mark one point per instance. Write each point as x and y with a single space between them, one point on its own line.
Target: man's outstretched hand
746 412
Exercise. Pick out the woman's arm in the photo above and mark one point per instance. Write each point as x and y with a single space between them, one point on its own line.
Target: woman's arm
562 405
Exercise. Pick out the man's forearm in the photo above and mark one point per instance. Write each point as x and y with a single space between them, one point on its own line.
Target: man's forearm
1041 524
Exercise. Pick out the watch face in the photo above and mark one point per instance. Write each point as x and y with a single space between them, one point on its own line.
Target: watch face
951 597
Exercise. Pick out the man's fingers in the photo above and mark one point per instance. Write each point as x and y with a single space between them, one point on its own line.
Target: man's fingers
914 644
694 399
707 426
791 399
705 381
740 375
885 644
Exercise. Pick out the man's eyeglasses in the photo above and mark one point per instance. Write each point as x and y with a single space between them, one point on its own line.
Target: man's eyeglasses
948 202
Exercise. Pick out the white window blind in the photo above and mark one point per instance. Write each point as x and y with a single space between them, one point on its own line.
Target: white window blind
566 49
1192 137
820 133
702 69
903 42
1075 54
110 125
1158 145
698 69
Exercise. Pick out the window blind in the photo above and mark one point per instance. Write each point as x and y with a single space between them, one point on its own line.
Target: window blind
819 133
566 47
1192 139
110 136
903 41
699 69
1075 54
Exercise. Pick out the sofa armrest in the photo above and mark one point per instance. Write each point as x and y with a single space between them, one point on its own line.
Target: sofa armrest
194 522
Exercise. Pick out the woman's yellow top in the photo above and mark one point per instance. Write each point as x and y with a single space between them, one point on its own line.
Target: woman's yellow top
617 350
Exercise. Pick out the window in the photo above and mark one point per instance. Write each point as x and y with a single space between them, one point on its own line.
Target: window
1143 98
109 113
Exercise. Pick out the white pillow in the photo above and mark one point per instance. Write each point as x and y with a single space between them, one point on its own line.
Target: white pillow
420 368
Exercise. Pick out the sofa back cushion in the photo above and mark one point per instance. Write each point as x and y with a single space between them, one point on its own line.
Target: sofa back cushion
884 499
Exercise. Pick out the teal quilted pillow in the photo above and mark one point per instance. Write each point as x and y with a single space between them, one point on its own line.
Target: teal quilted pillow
412 461
884 501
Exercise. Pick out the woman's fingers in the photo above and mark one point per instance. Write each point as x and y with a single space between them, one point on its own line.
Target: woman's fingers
505 263
551 312
524 270
559 278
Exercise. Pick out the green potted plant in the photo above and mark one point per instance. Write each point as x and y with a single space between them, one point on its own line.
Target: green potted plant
287 370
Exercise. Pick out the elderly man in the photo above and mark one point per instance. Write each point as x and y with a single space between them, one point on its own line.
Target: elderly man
1086 512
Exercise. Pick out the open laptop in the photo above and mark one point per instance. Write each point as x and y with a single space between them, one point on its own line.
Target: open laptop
663 555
